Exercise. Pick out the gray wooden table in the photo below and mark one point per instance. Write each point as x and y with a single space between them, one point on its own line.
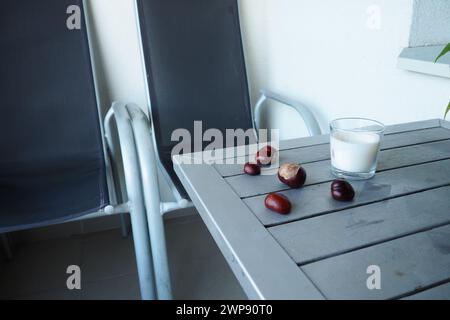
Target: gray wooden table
399 221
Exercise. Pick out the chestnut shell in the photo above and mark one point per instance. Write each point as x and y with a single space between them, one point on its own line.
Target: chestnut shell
266 155
278 203
292 174
341 190
252 169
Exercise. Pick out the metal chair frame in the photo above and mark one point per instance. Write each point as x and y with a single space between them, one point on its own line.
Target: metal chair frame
133 154
151 191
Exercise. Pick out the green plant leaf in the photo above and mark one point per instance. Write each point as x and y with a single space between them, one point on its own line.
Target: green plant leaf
443 53
447 111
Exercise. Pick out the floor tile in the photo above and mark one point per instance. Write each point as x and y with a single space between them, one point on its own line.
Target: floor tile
118 288
39 266
108 267
63 294
189 239
206 279
64 230
105 223
199 271
107 255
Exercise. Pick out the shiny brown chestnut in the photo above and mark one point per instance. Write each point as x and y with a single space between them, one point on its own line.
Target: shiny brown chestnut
252 169
278 203
266 155
292 174
341 190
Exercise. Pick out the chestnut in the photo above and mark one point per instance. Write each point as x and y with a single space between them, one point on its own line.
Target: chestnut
252 169
278 203
292 174
266 156
341 190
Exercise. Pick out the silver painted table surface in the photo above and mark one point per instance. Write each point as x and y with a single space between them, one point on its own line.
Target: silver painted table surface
399 221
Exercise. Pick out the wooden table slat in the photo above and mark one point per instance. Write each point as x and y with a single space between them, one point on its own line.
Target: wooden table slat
333 234
412 126
399 221
316 199
396 128
321 152
406 264
319 172
441 292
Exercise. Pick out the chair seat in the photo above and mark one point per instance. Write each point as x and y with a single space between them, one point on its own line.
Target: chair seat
33 195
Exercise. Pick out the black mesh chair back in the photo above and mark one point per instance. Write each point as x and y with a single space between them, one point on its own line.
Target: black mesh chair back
52 164
195 69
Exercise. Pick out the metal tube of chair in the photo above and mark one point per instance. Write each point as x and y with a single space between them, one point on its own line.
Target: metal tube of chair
257 113
308 117
136 200
149 175
111 147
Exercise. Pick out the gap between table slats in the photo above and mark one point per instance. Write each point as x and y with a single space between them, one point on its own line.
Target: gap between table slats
435 292
323 139
315 200
320 152
407 265
311 240
319 172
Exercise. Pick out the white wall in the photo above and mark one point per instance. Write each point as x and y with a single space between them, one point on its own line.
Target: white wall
322 53
116 45
318 51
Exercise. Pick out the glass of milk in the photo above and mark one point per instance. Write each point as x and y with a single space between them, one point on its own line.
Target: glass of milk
354 146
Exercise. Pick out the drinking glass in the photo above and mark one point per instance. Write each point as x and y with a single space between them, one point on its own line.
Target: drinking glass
354 145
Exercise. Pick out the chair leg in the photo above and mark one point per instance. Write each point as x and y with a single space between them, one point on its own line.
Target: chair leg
6 244
124 225
149 180
159 252
138 212
143 254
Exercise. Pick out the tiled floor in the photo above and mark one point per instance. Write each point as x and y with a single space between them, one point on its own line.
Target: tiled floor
108 268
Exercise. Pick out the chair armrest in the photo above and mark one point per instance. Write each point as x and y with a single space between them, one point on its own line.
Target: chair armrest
306 114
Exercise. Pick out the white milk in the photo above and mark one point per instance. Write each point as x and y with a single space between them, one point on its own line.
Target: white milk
354 151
